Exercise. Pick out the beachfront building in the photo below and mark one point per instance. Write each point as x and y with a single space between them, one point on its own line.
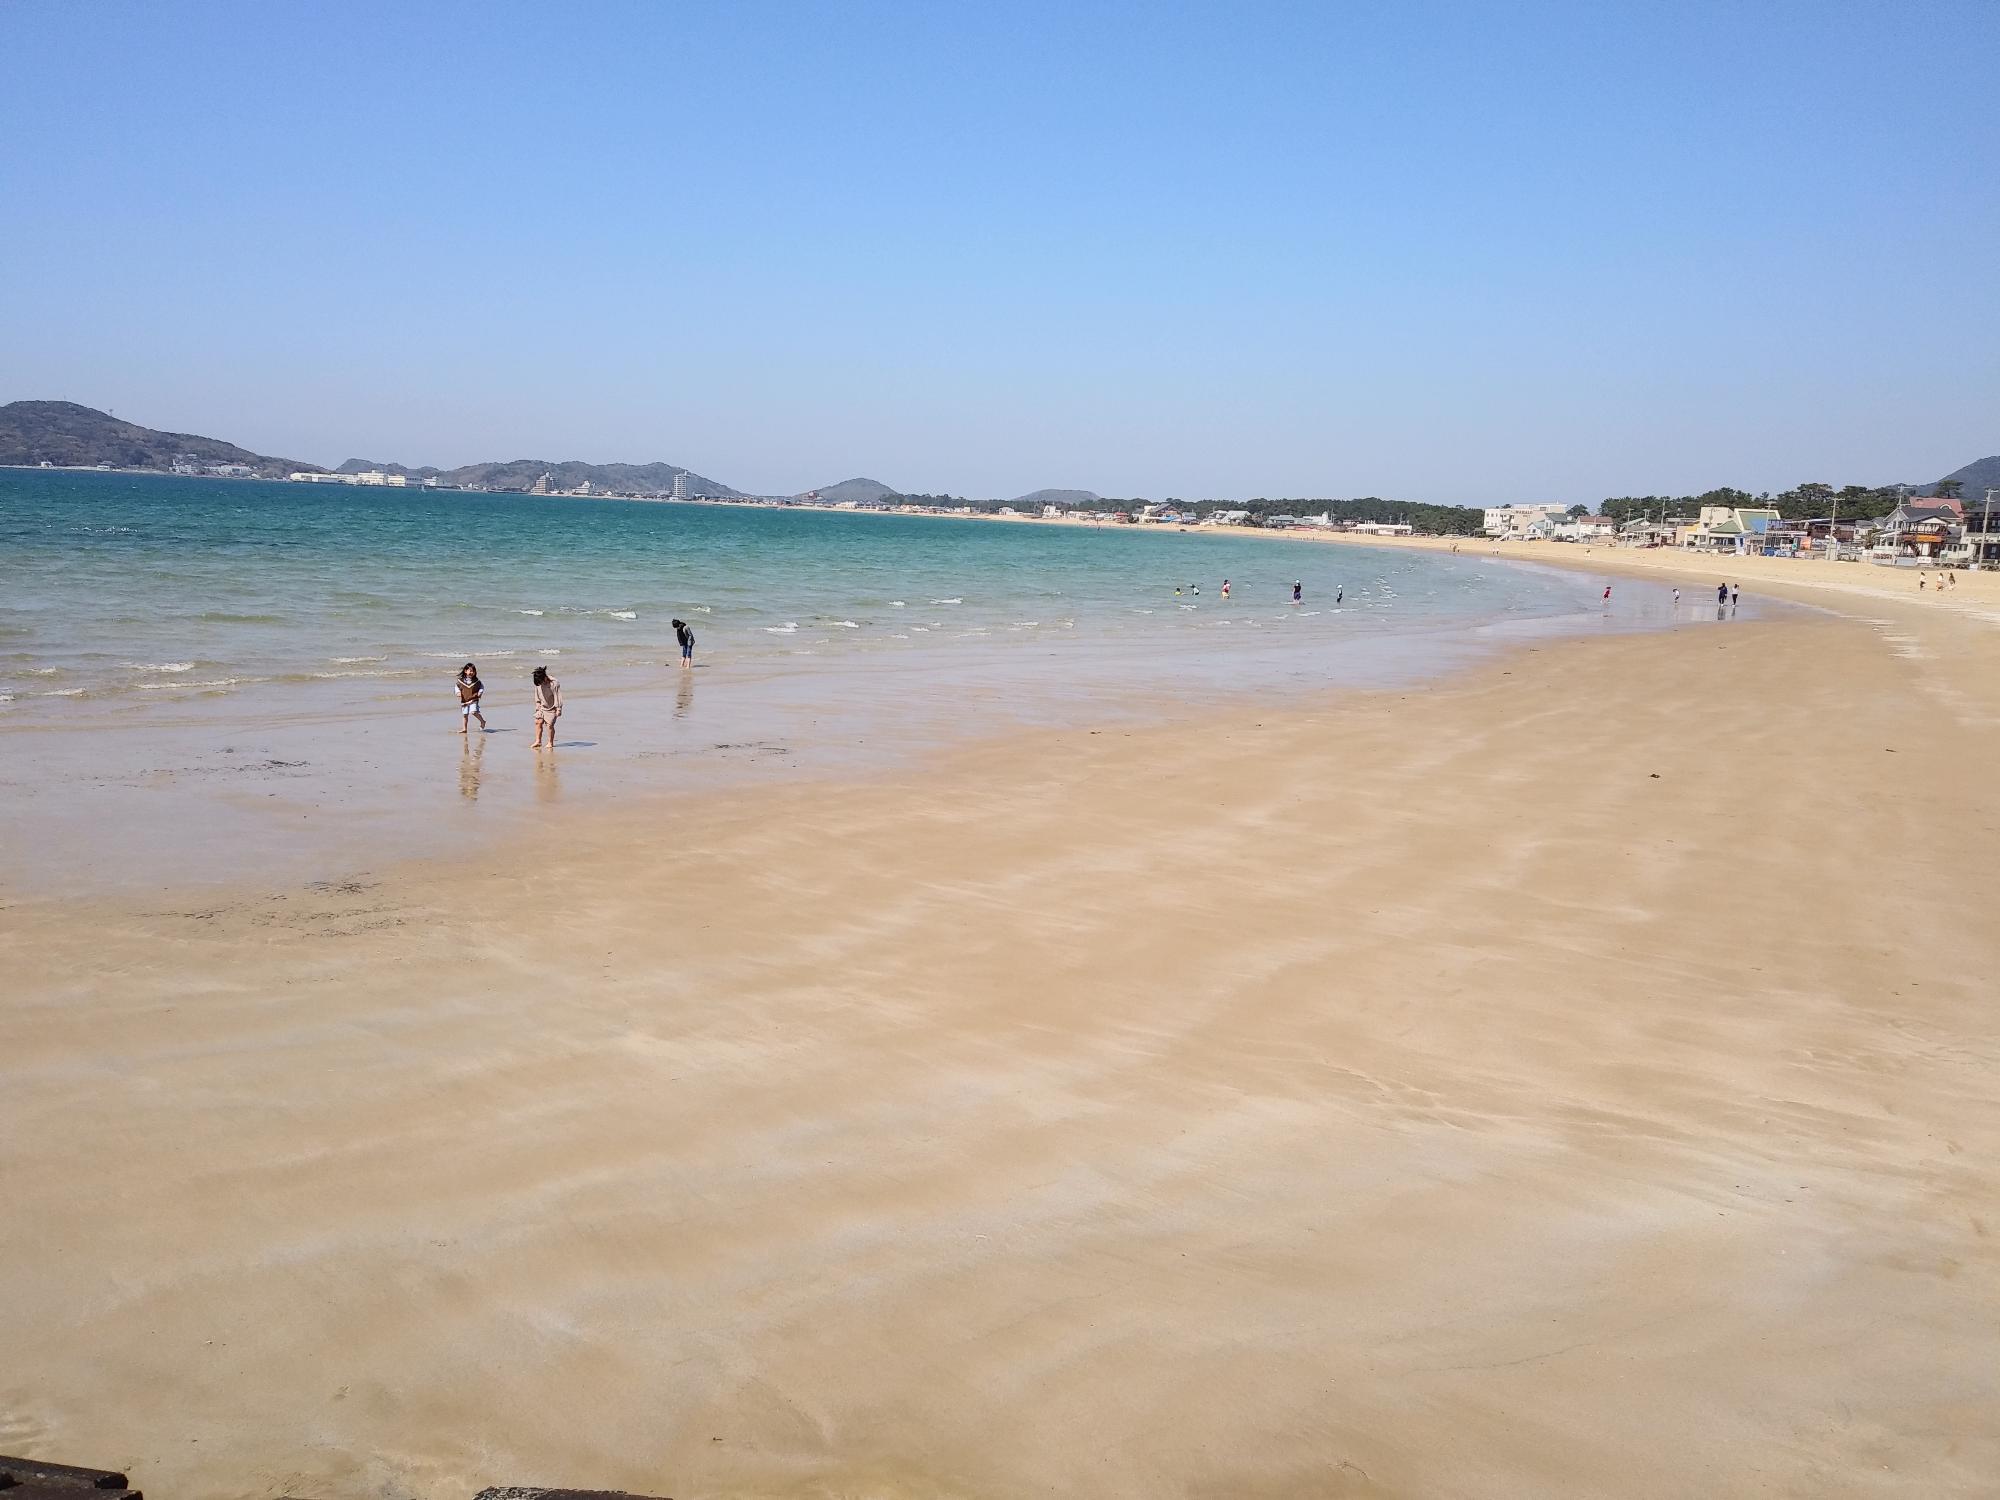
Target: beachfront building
1383 528
1641 532
1917 530
314 476
1981 537
1505 521
1590 529
1226 518
1724 528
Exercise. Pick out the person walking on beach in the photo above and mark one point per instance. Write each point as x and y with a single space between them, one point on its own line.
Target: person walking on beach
1298 593
1677 598
1340 593
686 638
1225 588
1722 593
1607 593
470 691
1735 594
548 706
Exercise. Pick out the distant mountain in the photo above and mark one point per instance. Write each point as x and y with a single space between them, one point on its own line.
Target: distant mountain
1056 497
849 489
369 465
572 474
1973 481
62 432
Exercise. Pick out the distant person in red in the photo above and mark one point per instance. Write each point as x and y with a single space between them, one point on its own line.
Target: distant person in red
1607 593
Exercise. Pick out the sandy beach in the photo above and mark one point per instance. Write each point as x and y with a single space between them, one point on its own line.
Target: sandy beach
1575 1078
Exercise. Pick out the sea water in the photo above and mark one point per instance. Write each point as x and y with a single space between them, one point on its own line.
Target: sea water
182 653
120 588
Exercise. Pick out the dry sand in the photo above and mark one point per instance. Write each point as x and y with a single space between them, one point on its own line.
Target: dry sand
1580 1080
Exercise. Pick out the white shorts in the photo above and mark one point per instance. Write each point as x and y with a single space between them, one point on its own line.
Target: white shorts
467 710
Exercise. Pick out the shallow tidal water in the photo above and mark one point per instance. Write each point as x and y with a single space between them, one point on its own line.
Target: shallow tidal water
217 680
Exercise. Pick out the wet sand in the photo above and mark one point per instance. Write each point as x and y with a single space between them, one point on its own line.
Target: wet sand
1578 1079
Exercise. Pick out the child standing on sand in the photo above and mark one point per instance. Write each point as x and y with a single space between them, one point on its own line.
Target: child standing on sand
548 706
470 691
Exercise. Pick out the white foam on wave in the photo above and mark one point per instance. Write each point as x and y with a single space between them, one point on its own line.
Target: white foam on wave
160 666
348 661
62 693
847 624
896 604
43 671
536 612
551 651
785 629
623 614
702 609
948 601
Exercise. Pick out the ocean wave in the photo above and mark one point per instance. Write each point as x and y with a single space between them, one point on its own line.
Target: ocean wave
62 693
623 614
896 604
549 651
351 660
382 672
159 666
529 612
948 601
785 629
195 687
845 624
43 671
701 609
218 617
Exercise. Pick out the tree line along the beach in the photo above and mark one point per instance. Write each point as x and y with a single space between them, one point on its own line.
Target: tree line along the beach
1802 502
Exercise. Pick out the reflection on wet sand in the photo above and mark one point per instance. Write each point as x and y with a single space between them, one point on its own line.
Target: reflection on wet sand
474 750
548 786
684 696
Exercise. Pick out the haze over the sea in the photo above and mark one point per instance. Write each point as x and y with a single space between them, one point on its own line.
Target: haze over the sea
1456 254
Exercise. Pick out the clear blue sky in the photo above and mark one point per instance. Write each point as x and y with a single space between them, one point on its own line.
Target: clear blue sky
1479 253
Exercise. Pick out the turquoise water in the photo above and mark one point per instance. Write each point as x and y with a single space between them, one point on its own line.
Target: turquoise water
237 681
123 592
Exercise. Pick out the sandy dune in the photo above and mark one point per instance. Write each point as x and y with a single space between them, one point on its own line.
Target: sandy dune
1581 1080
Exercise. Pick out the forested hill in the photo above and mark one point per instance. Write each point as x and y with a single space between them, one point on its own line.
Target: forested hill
65 434
573 474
